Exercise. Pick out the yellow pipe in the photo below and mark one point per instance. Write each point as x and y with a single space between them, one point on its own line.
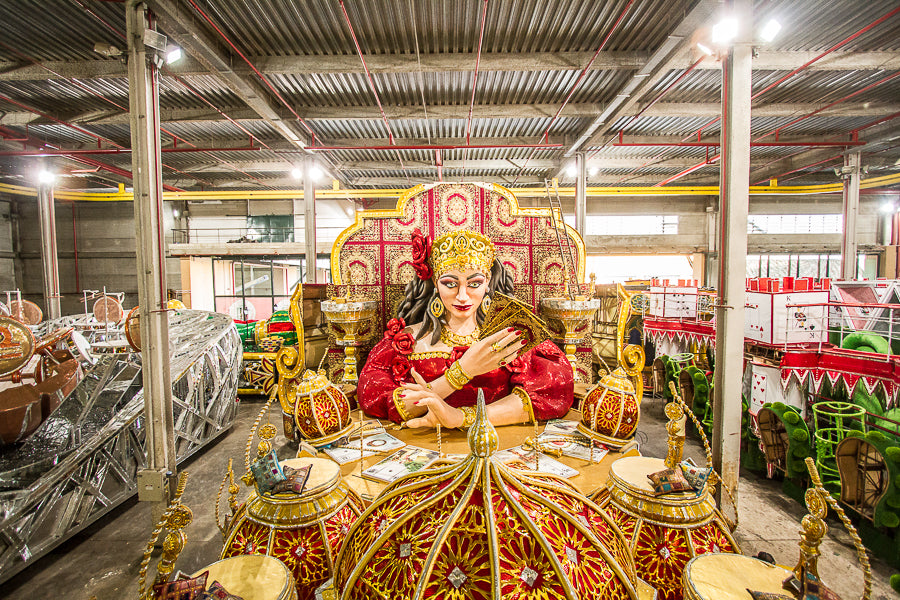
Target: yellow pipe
710 190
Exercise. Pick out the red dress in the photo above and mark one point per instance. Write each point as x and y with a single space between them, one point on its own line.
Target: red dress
543 372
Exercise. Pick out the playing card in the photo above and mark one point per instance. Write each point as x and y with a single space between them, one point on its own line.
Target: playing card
505 312
575 446
380 442
522 458
403 462
560 427
344 455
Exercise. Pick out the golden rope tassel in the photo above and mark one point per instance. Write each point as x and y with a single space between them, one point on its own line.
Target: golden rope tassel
173 517
714 477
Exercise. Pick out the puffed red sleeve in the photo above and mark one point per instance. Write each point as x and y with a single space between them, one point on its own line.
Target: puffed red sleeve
377 381
545 374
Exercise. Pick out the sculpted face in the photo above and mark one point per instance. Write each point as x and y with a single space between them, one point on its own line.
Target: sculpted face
462 292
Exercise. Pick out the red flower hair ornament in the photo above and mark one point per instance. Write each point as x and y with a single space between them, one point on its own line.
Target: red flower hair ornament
421 251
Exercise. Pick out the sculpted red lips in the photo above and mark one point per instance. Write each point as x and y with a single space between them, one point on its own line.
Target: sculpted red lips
462 307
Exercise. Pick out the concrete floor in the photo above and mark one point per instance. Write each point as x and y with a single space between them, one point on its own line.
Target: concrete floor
104 560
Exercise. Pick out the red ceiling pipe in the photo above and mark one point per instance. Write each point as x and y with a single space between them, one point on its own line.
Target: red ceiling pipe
689 170
99 138
778 129
575 85
802 67
362 58
477 63
780 175
423 147
62 152
253 67
752 144
439 163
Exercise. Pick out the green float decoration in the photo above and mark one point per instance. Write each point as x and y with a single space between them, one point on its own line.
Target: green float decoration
695 390
781 424
864 341
833 422
872 496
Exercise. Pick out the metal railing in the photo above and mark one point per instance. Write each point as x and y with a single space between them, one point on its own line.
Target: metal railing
249 235
840 320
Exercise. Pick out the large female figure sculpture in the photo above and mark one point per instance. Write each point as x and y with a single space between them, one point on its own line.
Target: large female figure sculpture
426 380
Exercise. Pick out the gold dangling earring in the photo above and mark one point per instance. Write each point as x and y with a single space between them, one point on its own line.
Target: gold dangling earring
436 308
486 303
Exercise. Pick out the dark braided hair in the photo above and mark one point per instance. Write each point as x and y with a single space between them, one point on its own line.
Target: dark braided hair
421 292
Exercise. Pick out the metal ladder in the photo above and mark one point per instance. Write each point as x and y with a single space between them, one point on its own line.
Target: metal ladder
567 252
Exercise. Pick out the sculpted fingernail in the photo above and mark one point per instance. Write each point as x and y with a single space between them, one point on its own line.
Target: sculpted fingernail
518 333
509 329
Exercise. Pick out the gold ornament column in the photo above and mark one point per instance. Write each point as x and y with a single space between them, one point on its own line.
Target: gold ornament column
570 322
347 320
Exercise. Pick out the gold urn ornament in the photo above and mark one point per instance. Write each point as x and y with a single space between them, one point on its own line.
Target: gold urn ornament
315 410
665 532
304 531
481 529
612 410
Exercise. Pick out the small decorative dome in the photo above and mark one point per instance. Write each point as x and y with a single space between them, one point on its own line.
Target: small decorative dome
321 410
479 529
611 412
304 531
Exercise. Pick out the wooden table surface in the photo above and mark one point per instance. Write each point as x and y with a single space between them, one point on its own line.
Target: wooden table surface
591 478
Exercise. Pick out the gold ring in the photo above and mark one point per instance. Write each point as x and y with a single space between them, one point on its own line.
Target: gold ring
503 363
496 347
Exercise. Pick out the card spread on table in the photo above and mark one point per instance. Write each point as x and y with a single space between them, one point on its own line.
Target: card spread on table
405 461
522 458
561 427
344 455
380 442
575 446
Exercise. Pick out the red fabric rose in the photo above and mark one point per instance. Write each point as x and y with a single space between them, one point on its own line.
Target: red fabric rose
421 251
394 327
400 368
404 343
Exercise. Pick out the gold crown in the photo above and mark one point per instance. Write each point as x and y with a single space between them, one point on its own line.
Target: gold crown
462 250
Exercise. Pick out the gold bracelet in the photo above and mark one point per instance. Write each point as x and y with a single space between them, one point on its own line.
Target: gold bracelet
401 408
469 415
526 404
456 377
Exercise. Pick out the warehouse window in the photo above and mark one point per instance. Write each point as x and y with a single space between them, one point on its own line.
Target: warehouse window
807 265
631 225
793 224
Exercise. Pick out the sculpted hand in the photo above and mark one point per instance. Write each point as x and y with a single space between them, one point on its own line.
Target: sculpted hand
492 352
438 410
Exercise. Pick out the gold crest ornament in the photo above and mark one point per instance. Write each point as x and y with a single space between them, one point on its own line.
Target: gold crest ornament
436 307
462 250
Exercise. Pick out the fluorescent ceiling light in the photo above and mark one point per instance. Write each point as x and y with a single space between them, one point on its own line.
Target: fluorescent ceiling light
570 171
593 171
173 54
297 173
315 173
725 30
887 207
770 30
704 49
46 177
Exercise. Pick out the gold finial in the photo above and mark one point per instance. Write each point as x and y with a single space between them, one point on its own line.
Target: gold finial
675 429
483 439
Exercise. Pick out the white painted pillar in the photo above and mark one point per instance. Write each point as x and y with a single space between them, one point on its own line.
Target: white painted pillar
143 98
49 260
849 240
580 192
309 218
734 206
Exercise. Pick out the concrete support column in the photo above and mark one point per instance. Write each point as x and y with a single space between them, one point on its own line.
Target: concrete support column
47 215
143 98
580 192
309 218
849 241
733 206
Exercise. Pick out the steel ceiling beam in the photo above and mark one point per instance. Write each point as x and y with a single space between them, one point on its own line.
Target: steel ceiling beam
660 63
452 63
181 26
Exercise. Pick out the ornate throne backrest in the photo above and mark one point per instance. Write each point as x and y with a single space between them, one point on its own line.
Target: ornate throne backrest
374 254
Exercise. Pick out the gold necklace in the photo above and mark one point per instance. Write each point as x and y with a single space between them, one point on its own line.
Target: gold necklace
455 339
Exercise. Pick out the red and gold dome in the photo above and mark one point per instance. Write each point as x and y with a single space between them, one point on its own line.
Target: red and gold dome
611 412
479 529
304 531
319 409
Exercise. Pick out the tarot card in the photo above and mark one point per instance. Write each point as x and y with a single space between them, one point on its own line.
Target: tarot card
506 311
380 442
576 446
344 455
520 457
403 462
560 427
